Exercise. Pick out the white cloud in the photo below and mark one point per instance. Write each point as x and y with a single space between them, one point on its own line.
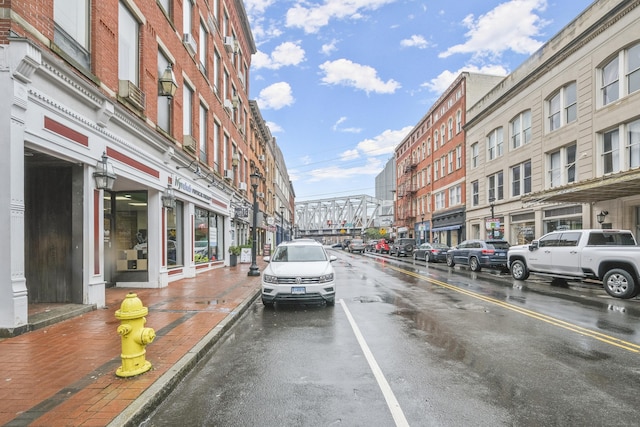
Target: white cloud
254 7
285 54
371 149
329 48
274 127
314 17
509 26
349 155
338 128
444 79
415 41
276 96
347 73
372 167
383 144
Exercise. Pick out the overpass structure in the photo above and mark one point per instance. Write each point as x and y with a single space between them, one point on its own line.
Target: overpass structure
342 216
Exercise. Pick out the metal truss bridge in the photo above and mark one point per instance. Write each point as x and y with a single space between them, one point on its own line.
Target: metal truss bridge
348 215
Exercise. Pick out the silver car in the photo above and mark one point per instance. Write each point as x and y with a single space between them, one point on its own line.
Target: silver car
356 245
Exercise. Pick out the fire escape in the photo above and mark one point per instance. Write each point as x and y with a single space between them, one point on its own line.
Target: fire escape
407 188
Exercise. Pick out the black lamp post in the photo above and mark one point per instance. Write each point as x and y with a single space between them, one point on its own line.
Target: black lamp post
281 223
423 231
492 204
255 180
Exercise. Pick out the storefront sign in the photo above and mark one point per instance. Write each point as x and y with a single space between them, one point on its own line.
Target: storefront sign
242 212
186 187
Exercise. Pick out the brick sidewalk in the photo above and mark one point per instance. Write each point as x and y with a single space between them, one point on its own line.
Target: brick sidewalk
64 374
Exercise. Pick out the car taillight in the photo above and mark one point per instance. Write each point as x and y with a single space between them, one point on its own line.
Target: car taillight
488 252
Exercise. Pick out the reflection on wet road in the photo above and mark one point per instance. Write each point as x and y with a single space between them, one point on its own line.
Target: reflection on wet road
635 348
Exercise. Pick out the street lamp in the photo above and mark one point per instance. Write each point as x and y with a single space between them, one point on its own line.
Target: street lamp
281 223
601 217
255 180
422 234
104 175
492 204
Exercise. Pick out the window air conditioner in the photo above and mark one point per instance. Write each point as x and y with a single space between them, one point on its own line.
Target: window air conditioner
228 105
242 186
229 44
132 93
190 43
189 143
261 158
260 195
228 174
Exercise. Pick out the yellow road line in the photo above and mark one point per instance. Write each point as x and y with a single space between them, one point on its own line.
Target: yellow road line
607 339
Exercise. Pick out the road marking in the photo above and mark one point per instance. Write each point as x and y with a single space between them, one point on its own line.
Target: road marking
607 339
392 402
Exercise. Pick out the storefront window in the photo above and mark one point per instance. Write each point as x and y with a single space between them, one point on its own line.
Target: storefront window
131 231
563 224
523 233
207 232
175 236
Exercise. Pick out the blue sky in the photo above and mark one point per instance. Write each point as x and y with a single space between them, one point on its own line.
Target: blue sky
341 82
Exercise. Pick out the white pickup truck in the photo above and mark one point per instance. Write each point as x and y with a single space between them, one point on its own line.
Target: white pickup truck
609 256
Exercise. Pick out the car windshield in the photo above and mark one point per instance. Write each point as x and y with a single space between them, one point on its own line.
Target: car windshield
299 254
439 246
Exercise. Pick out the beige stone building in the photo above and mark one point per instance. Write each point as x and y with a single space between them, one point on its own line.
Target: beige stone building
556 145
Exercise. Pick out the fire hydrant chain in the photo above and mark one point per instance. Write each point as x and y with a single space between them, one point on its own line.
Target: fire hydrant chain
134 336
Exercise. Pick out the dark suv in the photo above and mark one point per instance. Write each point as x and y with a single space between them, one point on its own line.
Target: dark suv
479 253
402 247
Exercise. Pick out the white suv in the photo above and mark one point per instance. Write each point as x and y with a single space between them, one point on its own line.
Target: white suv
299 271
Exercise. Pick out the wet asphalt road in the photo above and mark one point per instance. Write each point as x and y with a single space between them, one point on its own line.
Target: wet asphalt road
422 345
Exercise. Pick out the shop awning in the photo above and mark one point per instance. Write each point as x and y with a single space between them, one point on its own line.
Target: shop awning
608 187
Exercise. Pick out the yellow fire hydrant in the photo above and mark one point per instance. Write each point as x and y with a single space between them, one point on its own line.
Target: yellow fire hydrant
134 337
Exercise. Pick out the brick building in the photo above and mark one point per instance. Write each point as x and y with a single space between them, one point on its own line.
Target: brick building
431 169
129 145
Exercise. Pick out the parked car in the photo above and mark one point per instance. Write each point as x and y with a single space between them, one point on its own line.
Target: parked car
609 256
478 254
299 271
356 245
382 247
345 244
402 247
370 246
431 252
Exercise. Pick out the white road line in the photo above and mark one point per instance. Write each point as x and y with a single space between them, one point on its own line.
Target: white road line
392 402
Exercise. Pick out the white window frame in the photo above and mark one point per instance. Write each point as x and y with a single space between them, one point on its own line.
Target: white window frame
520 127
522 184
187 109
475 193
128 45
475 154
495 143
495 186
562 107
561 166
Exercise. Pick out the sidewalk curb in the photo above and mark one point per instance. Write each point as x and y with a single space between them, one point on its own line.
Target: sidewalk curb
146 403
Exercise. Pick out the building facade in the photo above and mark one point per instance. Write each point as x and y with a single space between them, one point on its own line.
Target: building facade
556 145
130 146
430 166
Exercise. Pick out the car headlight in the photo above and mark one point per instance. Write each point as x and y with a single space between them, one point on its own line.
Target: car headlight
270 279
326 278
